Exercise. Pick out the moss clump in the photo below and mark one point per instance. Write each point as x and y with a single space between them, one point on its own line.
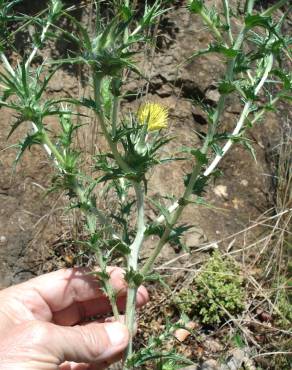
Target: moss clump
215 292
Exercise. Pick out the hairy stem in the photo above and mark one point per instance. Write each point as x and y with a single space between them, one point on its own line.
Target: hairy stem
227 17
243 116
211 25
133 264
102 121
115 115
50 147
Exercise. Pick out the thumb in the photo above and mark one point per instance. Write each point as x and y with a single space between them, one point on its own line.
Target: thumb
38 345
90 343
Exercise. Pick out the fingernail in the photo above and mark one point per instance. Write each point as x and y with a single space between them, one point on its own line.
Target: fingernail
117 333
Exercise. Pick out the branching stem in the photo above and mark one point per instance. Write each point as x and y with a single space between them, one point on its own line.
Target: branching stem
246 110
211 25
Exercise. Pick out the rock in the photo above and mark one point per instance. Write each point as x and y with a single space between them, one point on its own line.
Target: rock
236 360
182 334
194 237
212 345
221 191
213 94
192 367
210 365
3 239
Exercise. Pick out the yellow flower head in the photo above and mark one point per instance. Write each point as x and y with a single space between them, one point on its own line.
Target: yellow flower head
154 114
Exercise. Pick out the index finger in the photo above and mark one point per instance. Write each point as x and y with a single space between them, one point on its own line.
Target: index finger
61 288
68 296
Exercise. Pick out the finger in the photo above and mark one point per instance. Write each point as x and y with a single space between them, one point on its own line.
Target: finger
62 288
58 290
93 343
40 343
77 312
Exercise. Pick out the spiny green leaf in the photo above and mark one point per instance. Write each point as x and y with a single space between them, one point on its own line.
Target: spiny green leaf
253 20
15 125
226 87
133 278
199 185
163 210
28 142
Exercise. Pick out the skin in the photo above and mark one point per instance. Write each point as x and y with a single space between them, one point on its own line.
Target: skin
44 323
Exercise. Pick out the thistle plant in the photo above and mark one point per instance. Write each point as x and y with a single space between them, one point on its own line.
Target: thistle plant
255 74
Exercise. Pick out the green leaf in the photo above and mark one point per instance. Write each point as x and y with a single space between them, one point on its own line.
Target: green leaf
154 229
157 278
228 52
195 6
28 142
217 149
85 38
126 12
226 87
286 78
200 157
163 210
246 143
199 185
134 278
119 246
176 234
216 48
257 20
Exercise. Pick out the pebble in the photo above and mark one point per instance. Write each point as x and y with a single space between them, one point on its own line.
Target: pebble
3 239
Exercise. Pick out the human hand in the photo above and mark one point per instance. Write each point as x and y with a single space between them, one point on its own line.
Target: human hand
44 322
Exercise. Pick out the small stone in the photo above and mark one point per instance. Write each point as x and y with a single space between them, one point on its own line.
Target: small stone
182 334
237 203
221 191
210 365
244 182
236 359
212 345
3 239
213 95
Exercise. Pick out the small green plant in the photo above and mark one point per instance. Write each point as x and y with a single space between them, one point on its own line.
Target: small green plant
215 293
283 301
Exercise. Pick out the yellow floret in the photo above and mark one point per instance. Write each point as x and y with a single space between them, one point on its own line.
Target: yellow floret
154 115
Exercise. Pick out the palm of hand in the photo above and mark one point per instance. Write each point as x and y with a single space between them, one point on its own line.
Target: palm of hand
44 322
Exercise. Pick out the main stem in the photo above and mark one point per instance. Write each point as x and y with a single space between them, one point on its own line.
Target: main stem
133 266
